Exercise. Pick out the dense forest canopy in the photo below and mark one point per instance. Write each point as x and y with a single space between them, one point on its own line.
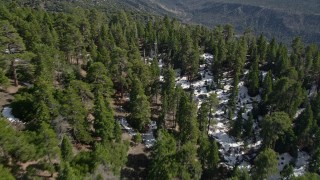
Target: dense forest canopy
82 72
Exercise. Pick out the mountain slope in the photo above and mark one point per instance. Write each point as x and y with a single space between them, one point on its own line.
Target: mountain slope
281 19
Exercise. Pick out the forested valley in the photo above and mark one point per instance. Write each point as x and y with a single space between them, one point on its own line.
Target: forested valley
91 86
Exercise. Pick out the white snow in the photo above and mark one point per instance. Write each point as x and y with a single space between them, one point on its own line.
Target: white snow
234 152
7 113
301 163
299 111
312 91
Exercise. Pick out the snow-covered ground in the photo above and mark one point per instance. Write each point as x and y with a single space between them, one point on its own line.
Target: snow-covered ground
147 138
7 113
234 152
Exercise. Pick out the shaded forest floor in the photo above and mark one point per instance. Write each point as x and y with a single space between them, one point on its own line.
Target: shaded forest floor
138 161
6 95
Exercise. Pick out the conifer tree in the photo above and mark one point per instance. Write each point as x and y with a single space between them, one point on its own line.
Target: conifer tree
202 117
273 126
12 47
234 92
237 127
139 106
304 124
104 122
187 121
272 53
253 79
66 149
248 127
314 165
155 73
262 48
265 164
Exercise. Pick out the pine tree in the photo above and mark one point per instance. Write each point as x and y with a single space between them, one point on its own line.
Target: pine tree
164 165
202 117
213 103
248 127
234 92
77 119
253 79
47 144
12 47
314 164
262 48
66 149
273 126
287 95
267 87
272 53
187 121
104 122
189 167
282 63
265 164
139 106
155 73
5 173
237 126
304 125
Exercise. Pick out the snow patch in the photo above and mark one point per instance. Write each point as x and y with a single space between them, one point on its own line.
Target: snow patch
7 113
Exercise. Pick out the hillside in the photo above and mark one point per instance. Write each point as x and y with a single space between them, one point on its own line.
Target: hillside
281 19
90 91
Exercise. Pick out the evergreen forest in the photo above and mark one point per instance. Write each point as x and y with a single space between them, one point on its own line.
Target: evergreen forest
90 93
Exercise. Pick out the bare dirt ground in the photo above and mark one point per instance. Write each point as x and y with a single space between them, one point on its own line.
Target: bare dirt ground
138 161
6 95
138 154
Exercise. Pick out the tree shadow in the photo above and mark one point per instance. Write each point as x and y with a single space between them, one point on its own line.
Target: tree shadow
136 167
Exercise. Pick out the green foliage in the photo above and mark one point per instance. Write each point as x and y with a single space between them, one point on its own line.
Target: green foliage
77 59
287 95
47 143
137 138
97 76
308 176
66 149
203 114
305 124
104 122
140 106
265 164
164 165
314 164
248 127
77 118
287 172
237 126
5 173
273 126
253 79
16 146
267 87
4 81
84 163
66 173
186 117
189 167
208 153
242 174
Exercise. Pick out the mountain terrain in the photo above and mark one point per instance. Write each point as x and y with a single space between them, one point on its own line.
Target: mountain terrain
283 19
